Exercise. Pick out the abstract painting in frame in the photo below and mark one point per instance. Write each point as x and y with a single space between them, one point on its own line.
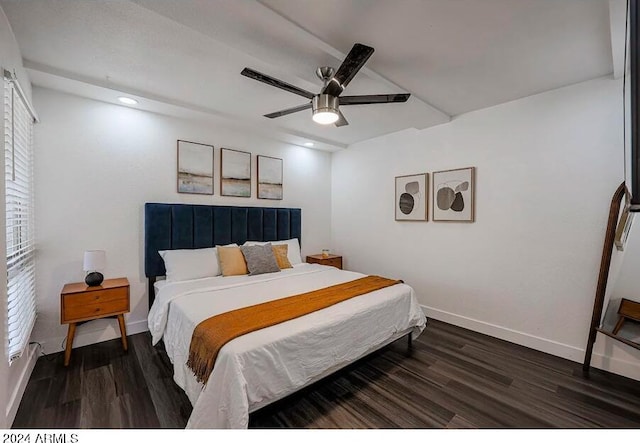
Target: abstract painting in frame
235 173
195 168
411 197
269 178
454 195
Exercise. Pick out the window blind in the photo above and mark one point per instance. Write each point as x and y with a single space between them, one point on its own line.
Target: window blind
19 203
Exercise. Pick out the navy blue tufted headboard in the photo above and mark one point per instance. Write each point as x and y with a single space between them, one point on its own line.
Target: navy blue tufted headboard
182 226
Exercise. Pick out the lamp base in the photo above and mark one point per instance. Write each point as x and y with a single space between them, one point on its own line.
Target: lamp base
94 279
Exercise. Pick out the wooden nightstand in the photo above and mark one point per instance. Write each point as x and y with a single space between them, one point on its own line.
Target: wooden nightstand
330 260
80 303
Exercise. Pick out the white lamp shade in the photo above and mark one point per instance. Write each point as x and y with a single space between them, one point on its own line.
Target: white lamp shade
94 260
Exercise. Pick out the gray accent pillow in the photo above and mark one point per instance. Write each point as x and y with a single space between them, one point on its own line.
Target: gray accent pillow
260 259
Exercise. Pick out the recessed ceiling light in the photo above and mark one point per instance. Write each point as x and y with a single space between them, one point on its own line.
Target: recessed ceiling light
308 144
128 101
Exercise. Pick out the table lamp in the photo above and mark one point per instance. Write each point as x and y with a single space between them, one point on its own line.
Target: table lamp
94 261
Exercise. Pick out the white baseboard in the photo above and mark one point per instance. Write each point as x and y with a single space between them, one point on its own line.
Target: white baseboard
95 331
16 396
622 367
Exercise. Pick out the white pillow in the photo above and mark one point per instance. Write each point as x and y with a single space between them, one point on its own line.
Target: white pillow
293 254
188 264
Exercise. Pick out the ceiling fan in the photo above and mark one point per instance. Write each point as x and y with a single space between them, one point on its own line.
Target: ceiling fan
325 105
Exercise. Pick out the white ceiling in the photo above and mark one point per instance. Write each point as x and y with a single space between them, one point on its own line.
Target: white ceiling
184 57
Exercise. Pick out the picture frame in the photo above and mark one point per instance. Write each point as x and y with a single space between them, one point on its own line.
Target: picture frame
453 195
235 173
194 168
269 178
411 202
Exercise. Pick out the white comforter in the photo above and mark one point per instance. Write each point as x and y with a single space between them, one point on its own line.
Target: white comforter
258 368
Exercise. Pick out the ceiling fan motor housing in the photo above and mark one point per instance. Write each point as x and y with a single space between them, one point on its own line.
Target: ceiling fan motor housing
324 104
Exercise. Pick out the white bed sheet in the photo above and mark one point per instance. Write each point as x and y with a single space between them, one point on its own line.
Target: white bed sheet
258 368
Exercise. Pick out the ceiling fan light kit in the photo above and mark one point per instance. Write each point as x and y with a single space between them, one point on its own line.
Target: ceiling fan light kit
324 106
325 109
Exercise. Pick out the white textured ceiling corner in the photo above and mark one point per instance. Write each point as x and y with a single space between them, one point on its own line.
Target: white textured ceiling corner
185 57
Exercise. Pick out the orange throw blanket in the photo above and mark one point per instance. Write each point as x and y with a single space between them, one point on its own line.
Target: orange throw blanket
213 333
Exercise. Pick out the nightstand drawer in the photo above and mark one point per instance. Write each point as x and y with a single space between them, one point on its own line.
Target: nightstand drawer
336 262
90 311
78 307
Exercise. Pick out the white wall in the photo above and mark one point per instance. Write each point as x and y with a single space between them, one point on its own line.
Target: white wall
12 378
96 166
526 270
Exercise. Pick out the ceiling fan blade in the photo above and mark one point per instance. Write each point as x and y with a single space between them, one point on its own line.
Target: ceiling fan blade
370 99
341 121
264 78
288 111
355 60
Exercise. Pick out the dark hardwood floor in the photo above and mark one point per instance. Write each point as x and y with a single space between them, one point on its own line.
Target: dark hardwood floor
454 378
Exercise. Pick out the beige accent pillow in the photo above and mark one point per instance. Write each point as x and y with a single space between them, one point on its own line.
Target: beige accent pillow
280 252
232 261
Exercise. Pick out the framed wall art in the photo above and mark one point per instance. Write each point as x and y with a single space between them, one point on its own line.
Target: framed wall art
195 168
411 197
269 178
235 173
454 195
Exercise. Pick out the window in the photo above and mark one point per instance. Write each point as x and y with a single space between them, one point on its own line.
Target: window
18 158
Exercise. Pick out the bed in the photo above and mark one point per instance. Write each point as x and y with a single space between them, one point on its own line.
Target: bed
263 366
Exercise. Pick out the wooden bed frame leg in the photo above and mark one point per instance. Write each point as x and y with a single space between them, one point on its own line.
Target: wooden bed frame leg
409 344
